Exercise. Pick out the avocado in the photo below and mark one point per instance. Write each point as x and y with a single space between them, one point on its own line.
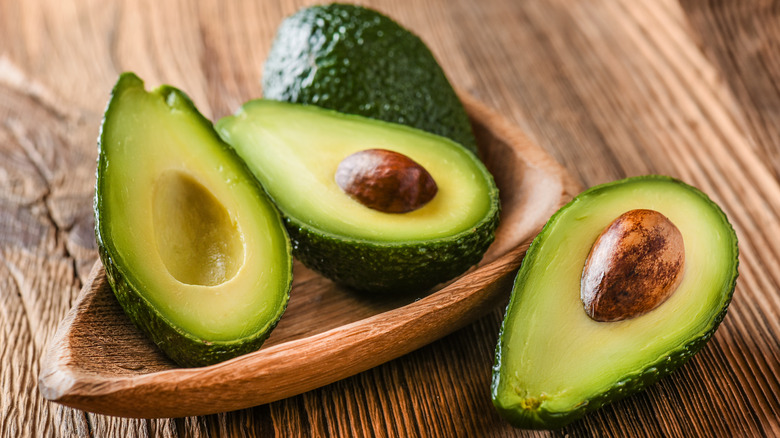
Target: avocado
355 60
295 152
195 252
554 362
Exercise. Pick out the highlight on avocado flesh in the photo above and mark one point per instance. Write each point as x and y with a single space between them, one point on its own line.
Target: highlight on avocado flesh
553 362
385 180
194 251
635 264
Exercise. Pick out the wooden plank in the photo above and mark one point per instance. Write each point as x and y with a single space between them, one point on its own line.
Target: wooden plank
610 88
741 39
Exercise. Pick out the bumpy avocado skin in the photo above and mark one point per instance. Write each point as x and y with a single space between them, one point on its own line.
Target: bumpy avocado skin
355 60
536 417
399 268
543 419
184 348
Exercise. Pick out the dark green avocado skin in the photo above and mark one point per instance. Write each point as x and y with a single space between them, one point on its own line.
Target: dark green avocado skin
355 60
633 384
542 419
398 268
185 349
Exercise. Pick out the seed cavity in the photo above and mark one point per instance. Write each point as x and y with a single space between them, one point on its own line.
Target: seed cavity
198 242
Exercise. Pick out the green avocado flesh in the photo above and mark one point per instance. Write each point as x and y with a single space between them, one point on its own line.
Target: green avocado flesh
554 363
294 151
355 60
195 252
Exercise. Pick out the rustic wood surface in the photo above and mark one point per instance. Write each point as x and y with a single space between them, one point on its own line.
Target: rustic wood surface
609 88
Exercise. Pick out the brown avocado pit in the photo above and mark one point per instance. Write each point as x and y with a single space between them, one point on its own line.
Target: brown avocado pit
635 265
386 181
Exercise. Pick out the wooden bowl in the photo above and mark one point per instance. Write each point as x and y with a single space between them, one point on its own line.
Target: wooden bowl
98 361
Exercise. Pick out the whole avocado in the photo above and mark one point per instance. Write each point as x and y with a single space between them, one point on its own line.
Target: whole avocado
355 60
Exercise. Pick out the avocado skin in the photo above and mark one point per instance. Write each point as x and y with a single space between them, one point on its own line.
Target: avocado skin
355 60
543 419
184 348
385 267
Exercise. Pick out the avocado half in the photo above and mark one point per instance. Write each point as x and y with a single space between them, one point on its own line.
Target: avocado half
295 150
355 60
195 252
553 362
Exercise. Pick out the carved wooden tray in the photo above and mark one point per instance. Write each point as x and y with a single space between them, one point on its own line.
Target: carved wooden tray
98 361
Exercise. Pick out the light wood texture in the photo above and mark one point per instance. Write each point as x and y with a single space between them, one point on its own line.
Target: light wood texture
610 88
98 361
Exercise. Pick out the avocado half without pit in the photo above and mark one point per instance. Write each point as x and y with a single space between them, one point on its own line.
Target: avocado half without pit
195 252
369 204
621 287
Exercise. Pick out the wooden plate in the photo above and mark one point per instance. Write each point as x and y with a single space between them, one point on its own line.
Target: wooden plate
98 361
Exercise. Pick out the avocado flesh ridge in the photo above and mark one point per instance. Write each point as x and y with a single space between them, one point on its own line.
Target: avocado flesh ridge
553 356
295 150
179 150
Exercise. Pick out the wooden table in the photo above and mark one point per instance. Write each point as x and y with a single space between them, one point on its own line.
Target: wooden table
609 88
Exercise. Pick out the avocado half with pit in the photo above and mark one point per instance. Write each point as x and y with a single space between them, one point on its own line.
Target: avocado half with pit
195 252
295 151
556 358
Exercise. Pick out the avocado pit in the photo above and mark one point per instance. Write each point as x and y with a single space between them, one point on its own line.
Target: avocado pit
635 265
386 181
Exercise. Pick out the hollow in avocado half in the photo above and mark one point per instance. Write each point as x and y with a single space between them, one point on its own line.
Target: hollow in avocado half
195 252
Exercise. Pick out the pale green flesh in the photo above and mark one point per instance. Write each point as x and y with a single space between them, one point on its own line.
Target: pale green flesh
188 226
295 150
553 356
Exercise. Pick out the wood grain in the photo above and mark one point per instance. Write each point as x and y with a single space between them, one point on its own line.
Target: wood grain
611 88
